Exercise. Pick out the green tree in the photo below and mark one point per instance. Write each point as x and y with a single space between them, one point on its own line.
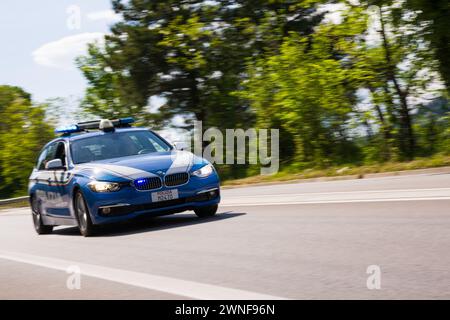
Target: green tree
275 62
434 16
309 88
401 68
193 53
23 132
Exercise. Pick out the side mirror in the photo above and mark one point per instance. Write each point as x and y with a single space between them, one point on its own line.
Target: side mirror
55 164
181 146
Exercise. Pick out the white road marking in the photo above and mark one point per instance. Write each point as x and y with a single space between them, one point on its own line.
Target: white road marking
339 197
174 286
329 201
345 192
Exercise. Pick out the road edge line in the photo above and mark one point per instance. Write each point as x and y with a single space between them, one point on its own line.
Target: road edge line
185 288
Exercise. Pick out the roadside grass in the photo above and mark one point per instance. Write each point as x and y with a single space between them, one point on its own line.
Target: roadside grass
21 204
288 174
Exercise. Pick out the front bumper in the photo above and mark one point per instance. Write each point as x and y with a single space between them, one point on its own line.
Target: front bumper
188 203
129 202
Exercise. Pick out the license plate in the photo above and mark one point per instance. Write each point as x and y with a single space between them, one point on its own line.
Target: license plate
164 195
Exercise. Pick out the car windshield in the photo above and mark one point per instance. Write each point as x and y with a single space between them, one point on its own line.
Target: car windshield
116 145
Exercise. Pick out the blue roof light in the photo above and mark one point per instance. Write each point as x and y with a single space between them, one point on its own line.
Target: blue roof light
68 129
128 120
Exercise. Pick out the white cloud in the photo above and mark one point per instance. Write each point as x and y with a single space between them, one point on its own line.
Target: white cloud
61 53
105 15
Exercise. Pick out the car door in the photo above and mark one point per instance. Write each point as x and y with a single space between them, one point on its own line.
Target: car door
53 183
38 177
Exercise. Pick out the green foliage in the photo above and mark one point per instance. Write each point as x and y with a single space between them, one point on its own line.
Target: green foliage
435 17
433 127
445 137
23 132
276 64
309 89
191 53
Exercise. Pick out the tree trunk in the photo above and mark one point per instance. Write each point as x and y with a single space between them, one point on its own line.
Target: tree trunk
407 134
386 134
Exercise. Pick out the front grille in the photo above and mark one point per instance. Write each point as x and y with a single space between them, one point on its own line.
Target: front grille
176 179
148 183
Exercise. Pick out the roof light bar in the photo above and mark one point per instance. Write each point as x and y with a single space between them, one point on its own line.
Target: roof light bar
93 125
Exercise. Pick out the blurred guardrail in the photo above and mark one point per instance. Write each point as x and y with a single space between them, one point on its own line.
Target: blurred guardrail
13 200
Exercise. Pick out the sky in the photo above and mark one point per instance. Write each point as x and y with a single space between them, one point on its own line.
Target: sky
40 40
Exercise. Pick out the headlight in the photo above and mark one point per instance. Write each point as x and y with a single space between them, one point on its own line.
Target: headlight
101 186
204 171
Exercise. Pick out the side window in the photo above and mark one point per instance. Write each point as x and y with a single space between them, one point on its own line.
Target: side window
41 159
56 150
46 155
60 152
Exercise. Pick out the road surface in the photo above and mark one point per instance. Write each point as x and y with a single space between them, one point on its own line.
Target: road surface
311 240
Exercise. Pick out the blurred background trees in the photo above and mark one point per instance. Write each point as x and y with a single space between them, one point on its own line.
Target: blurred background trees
348 91
434 17
346 82
23 131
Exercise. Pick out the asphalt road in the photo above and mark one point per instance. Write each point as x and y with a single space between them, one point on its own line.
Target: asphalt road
292 241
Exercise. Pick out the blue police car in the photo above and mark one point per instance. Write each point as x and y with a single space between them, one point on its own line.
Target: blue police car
107 171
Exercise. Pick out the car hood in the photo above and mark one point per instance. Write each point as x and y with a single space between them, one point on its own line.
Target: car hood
143 166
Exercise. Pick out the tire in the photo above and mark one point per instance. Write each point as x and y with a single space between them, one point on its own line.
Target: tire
85 225
39 226
204 212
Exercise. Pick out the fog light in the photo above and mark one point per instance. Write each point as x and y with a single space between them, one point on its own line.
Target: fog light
106 210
